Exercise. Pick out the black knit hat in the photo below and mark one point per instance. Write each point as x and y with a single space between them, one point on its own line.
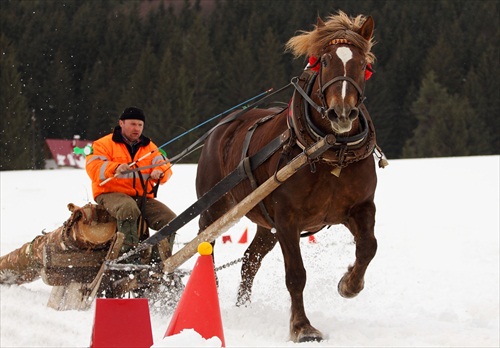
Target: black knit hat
133 113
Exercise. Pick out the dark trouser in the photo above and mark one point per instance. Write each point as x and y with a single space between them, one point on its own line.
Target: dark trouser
126 210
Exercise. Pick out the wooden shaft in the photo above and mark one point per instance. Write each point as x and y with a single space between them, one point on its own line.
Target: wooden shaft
227 220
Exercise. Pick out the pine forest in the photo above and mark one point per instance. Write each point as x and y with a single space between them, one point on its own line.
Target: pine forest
70 67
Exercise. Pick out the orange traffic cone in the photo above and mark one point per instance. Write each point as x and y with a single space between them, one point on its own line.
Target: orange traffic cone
198 307
244 237
121 323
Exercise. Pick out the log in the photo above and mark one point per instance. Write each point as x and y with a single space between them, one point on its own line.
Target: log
89 228
227 220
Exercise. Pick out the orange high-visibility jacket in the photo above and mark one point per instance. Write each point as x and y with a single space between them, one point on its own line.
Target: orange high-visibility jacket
110 151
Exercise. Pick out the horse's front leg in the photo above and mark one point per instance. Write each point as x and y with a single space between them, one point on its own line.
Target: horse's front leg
361 223
263 242
301 329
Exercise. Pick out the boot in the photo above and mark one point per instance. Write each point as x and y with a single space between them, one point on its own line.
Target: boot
163 250
129 229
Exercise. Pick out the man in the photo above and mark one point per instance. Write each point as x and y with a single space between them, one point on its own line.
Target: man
128 195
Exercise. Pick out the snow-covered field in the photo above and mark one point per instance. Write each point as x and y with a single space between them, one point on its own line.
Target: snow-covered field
434 281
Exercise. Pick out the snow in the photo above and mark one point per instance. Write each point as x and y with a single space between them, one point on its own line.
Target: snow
434 280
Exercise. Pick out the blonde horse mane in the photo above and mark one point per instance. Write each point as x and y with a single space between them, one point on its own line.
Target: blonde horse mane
338 26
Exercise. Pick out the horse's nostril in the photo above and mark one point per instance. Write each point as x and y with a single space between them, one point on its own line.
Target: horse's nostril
331 114
354 113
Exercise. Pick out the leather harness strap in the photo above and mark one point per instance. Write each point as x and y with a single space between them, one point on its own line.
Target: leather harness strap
246 162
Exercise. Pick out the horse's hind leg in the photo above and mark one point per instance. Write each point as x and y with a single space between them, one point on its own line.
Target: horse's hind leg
361 224
262 244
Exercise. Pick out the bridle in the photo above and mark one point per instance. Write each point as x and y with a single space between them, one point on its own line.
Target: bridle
323 87
322 110
347 148
316 133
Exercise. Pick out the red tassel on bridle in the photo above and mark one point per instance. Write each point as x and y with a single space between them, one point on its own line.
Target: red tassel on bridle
313 64
368 71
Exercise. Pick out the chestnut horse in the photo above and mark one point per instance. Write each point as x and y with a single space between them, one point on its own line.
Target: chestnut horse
336 188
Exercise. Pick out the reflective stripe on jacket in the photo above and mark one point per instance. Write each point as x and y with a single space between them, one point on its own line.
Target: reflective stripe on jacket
110 151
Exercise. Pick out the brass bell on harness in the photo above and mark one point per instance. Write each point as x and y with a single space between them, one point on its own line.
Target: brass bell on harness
382 163
382 160
336 171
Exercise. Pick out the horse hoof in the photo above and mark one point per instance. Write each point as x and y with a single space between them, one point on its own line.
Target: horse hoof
344 291
241 303
310 339
243 299
311 335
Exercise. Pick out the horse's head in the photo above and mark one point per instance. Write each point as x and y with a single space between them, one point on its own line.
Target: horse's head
342 45
341 84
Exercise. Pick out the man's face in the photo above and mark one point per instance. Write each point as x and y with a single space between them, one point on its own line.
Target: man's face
132 129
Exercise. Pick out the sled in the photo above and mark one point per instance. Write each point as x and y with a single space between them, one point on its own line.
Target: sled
76 276
80 274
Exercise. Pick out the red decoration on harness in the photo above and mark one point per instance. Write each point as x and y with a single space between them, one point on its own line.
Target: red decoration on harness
314 66
368 71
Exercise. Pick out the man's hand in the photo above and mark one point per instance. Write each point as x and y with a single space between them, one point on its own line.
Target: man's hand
121 168
156 174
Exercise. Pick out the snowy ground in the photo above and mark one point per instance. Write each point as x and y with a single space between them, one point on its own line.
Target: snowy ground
434 281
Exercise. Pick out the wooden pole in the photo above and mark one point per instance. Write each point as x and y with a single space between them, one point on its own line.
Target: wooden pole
227 220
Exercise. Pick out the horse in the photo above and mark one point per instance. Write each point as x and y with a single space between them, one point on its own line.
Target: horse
338 187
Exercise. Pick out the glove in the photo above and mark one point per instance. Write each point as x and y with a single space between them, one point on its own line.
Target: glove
156 174
121 168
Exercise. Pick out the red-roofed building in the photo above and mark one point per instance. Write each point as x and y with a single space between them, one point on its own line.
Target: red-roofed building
59 153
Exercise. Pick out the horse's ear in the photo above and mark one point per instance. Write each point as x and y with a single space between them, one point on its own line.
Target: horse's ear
367 28
320 22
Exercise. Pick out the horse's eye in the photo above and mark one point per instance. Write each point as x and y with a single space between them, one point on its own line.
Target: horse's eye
324 62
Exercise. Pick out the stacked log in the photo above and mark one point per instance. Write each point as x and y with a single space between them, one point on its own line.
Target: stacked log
89 228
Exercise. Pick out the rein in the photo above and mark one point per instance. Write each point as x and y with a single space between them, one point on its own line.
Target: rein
199 142
319 109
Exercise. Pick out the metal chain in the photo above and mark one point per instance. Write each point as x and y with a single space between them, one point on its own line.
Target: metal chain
229 264
226 265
